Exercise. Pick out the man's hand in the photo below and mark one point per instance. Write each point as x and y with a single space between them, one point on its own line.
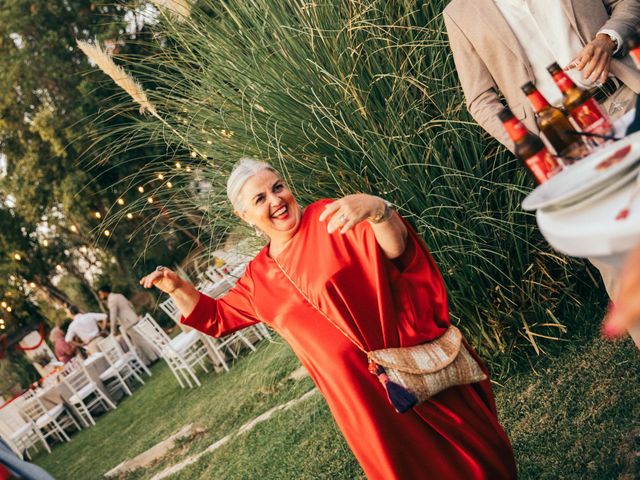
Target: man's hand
625 312
595 59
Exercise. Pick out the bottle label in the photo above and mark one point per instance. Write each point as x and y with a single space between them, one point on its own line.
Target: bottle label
635 54
543 165
589 117
538 102
515 129
563 81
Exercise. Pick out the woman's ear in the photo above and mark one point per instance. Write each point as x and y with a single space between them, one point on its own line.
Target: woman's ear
241 215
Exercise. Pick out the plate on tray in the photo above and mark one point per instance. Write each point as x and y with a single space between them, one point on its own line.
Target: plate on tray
586 176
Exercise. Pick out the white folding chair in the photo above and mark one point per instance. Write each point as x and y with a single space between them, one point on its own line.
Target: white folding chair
171 309
181 353
86 394
20 435
122 367
50 422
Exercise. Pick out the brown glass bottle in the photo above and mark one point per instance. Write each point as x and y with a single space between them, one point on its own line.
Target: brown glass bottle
581 107
529 148
555 126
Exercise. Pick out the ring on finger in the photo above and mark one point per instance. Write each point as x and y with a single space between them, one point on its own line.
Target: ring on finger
160 268
343 218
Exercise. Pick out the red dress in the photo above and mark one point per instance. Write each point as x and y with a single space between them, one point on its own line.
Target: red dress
379 303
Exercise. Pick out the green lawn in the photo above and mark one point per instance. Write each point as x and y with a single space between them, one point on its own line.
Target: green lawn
576 417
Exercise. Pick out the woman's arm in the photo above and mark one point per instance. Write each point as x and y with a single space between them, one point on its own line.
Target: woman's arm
233 311
388 228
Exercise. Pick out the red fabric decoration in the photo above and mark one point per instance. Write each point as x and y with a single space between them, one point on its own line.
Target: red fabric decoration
41 331
380 304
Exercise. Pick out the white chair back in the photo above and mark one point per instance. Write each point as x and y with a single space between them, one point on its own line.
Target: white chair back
32 407
75 376
149 328
170 308
111 349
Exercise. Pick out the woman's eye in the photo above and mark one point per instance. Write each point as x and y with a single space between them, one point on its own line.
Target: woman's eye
259 200
278 187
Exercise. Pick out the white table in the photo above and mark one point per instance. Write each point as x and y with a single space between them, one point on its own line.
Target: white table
591 230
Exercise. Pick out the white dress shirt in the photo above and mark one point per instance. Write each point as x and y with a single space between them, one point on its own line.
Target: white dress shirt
546 36
85 326
121 311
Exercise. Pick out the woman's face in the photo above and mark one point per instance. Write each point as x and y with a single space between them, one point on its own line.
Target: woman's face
269 205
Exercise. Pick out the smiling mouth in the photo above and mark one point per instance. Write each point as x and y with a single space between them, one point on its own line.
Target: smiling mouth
280 213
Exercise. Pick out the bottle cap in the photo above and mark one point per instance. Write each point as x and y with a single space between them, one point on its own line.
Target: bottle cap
553 68
528 88
505 114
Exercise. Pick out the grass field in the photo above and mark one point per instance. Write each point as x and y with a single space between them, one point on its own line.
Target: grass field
576 417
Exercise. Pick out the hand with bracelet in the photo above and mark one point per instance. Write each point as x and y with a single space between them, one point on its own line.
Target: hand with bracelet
347 212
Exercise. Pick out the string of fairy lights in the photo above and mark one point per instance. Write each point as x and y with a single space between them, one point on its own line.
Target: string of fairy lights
106 232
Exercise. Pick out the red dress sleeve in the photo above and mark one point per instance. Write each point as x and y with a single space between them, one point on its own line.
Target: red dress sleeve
219 317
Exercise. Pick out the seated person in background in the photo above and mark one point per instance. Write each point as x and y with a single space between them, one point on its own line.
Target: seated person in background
499 45
624 314
87 327
64 351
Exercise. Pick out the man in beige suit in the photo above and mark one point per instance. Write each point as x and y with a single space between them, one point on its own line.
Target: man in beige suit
499 45
122 314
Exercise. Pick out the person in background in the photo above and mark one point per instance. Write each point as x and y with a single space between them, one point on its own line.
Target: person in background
122 316
87 327
624 313
499 45
63 351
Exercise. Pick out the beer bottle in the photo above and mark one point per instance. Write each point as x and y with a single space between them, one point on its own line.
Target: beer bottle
555 126
583 110
529 148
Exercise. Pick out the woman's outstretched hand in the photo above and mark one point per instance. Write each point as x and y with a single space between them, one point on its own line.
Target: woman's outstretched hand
625 311
349 211
162 278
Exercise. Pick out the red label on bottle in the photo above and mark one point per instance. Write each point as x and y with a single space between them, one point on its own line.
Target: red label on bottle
635 54
563 81
543 165
589 117
515 129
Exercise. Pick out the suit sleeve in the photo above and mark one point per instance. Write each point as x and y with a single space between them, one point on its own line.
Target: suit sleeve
480 90
233 311
624 17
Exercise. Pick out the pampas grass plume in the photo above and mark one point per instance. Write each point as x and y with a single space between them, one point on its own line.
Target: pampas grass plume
104 61
181 9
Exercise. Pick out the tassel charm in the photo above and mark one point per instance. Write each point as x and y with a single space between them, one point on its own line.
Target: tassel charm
401 398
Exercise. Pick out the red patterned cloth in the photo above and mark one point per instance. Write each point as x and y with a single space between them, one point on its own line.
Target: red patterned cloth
379 303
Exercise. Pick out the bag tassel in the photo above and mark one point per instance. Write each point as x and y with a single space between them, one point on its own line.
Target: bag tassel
401 398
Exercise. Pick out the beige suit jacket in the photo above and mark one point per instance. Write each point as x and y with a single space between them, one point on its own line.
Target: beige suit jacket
120 312
490 61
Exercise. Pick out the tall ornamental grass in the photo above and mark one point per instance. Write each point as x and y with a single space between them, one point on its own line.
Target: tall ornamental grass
355 96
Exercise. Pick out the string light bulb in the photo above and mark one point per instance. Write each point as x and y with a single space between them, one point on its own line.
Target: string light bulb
178 165
3 304
169 184
73 228
1 326
121 201
160 176
59 267
150 200
194 154
17 256
141 189
129 216
9 309
45 242
32 284
106 233
83 249
97 215
188 169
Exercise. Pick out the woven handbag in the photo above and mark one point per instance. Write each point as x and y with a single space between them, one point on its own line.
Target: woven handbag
412 375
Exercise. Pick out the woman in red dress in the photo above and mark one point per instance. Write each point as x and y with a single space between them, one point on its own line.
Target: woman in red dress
347 271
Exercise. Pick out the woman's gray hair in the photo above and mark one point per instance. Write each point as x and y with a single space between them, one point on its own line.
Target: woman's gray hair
241 173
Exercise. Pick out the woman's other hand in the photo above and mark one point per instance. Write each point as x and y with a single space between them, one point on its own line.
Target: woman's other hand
347 212
162 278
